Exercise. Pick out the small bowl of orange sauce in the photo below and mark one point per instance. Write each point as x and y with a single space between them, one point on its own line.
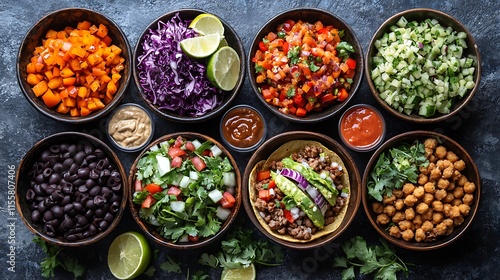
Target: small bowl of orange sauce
242 128
362 128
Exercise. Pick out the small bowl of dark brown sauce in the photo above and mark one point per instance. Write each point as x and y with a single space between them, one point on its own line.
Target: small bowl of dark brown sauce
242 128
130 127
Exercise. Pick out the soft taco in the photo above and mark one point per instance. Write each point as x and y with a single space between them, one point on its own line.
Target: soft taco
301 192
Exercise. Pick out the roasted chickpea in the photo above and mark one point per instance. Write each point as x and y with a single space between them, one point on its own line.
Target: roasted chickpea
448 222
456 202
435 174
430 143
448 198
443 183
383 219
468 199
427 226
398 217
441 229
419 235
464 209
417 221
469 187
440 152
428 198
458 220
437 206
422 208
448 172
455 212
447 209
407 235
377 207
428 152
388 200
422 179
449 231
451 186
408 188
394 231
419 192
442 164
458 192
398 193
462 180
410 200
437 218
390 210
459 165
399 204
410 213
451 156
427 216
404 225
440 194
430 187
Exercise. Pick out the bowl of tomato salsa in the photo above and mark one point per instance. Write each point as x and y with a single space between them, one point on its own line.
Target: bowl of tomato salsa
305 65
362 128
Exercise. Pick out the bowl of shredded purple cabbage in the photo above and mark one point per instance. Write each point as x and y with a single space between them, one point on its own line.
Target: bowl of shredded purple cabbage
171 83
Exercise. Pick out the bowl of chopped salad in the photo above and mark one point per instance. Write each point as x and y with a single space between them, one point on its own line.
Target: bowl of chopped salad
421 190
423 65
189 65
305 64
185 190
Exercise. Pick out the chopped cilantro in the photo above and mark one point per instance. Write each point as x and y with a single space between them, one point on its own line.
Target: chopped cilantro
344 49
294 55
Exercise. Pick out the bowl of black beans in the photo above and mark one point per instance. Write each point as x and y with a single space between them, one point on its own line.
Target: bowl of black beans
70 189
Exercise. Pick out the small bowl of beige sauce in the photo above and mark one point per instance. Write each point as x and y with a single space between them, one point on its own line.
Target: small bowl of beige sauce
130 127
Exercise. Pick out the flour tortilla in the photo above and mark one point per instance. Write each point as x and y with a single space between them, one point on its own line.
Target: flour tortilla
284 151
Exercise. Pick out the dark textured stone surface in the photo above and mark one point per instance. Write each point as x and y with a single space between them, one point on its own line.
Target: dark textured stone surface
474 256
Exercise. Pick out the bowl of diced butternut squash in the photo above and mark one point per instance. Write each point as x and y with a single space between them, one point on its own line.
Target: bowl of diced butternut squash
74 65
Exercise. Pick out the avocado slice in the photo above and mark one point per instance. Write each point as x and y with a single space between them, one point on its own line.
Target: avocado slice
323 186
303 201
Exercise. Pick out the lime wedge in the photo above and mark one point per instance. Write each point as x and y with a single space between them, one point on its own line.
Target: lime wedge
202 46
128 255
247 273
223 68
206 24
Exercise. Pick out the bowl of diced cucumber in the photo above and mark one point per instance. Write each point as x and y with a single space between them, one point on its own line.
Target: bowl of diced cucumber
423 65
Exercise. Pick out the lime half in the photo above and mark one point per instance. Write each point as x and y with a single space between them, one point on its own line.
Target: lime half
201 46
247 273
223 68
128 255
206 24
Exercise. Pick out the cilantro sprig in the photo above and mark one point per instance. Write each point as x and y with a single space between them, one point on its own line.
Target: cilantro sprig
240 249
395 167
54 260
379 260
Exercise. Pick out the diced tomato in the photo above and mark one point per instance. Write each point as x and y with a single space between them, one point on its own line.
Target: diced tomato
225 204
176 162
198 163
299 100
301 112
190 146
229 197
153 188
327 98
288 215
271 185
178 142
176 152
342 94
262 175
287 26
351 63
150 200
138 186
174 191
193 238
262 46
286 47
323 30
207 153
266 93
265 195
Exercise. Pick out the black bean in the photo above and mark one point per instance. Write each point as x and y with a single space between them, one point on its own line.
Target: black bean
83 188
48 216
92 165
99 200
84 198
49 230
90 204
109 217
79 157
69 177
85 234
50 189
47 172
38 190
103 225
73 168
53 159
33 205
68 222
63 147
90 183
91 158
93 230
68 162
95 190
106 192
44 155
57 211
115 206
78 182
39 179
55 178
68 207
67 188
116 187
72 149
57 195
36 216
81 221
102 163
66 200
99 153
84 163
78 206
88 149
66 155
48 202
58 167
30 195
72 237
39 198
100 213
94 174
89 214
41 206
54 149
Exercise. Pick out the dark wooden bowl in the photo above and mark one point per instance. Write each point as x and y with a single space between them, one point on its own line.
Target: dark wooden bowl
58 20
308 15
266 149
233 41
471 172
23 183
445 20
150 230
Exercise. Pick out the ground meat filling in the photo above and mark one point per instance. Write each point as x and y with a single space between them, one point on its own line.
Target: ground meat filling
302 228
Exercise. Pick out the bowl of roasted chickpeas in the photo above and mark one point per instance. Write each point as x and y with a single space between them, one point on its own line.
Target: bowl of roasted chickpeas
421 190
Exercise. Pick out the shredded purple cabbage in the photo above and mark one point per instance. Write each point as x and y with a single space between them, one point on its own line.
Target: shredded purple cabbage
169 78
